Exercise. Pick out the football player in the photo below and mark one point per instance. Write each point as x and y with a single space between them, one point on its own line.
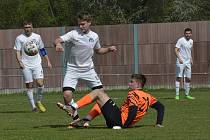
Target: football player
132 110
30 63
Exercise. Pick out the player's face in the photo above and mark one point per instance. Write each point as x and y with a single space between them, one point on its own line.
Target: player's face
28 28
84 26
188 35
134 84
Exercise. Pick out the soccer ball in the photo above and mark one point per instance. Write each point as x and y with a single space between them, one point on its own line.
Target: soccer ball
31 49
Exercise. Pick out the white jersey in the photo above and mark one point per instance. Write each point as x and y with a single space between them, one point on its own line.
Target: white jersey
185 49
22 41
80 48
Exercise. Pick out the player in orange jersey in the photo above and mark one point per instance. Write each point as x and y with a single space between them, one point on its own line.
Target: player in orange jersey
132 110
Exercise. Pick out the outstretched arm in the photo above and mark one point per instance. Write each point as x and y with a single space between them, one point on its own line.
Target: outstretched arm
106 50
131 115
160 112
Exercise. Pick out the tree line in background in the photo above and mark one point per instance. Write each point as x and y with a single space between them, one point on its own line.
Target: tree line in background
48 13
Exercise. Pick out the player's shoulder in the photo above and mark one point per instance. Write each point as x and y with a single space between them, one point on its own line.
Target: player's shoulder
20 36
93 34
181 39
191 40
36 35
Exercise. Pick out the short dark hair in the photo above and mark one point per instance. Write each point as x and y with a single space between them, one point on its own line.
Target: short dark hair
84 16
26 22
140 78
187 29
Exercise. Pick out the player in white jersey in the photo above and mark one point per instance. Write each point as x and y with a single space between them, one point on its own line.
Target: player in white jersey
30 63
184 61
82 44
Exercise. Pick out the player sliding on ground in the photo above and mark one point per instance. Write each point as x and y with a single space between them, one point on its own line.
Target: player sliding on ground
133 109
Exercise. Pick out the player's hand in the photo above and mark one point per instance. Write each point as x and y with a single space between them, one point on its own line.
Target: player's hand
59 48
112 49
181 61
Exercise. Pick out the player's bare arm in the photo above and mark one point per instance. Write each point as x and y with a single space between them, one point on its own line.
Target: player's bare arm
106 50
58 45
48 61
178 56
18 57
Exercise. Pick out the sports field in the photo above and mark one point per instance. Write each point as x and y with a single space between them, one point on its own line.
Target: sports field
184 119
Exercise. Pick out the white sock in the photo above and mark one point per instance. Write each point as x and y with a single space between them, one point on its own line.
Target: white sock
31 98
187 88
177 84
40 93
75 106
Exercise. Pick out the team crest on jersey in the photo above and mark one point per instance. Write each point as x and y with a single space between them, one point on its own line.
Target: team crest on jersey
91 40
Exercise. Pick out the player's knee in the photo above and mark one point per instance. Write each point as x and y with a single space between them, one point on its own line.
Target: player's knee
29 85
40 82
178 79
187 80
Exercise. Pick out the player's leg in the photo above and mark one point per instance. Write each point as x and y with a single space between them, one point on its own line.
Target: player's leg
93 82
187 81
109 109
92 114
27 74
69 85
112 115
85 122
179 74
39 77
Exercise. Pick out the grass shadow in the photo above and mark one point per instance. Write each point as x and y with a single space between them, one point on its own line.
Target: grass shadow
15 111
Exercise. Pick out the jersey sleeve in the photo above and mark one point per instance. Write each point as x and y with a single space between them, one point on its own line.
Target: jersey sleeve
41 44
67 37
178 44
17 45
97 45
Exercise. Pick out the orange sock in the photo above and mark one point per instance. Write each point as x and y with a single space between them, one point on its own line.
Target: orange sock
84 101
95 111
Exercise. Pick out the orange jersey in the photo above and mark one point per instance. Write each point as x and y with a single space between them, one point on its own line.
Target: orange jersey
137 98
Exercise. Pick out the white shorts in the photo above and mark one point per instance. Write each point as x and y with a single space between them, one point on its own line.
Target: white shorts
183 70
72 76
32 73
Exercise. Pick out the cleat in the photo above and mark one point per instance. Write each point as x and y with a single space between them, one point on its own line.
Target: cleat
35 110
177 97
68 109
159 125
41 107
70 127
190 97
80 123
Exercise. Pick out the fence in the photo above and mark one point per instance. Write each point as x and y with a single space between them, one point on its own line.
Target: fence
145 48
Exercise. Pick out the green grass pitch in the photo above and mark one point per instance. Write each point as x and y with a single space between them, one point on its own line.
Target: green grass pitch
184 119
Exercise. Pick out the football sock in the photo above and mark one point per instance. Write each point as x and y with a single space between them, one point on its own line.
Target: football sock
31 98
40 93
177 84
187 88
85 100
94 112
75 115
